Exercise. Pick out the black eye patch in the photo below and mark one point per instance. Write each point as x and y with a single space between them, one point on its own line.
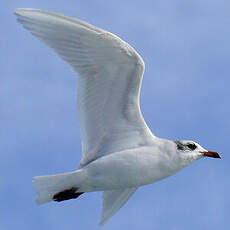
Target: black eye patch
192 146
179 145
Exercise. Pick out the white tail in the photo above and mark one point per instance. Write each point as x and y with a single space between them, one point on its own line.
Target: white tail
47 186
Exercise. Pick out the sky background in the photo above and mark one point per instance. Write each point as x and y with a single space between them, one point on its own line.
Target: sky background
185 95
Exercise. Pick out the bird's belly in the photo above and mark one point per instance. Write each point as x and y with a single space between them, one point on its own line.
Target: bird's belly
125 169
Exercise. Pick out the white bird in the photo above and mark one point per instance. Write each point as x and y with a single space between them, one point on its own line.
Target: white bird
119 152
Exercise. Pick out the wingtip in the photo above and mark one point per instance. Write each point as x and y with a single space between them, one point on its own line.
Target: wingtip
103 220
21 11
17 11
101 223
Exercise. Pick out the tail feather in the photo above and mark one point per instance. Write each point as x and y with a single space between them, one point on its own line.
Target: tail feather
47 187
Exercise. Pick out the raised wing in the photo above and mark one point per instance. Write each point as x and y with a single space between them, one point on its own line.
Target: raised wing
110 75
113 200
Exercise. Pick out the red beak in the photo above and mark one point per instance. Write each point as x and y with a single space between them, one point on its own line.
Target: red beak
211 154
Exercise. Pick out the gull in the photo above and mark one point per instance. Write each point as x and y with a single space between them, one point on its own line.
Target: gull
119 152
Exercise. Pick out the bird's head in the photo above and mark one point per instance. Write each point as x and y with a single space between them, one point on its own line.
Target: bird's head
190 150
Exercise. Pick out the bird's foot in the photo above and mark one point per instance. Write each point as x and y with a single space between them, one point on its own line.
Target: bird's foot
67 194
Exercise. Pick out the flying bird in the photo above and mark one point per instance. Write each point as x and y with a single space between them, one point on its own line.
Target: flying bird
119 152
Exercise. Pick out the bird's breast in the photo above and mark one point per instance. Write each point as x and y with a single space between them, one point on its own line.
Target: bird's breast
130 168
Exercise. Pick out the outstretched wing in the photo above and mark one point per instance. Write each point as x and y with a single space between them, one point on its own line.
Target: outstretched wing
113 200
110 75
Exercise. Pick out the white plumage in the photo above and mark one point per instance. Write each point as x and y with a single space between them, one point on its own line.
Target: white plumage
119 151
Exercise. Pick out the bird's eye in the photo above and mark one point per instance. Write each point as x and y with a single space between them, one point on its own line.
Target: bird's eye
192 146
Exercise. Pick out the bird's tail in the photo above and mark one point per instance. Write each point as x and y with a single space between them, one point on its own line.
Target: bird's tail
58 187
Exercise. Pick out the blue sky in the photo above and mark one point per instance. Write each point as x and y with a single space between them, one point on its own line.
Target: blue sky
185 95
